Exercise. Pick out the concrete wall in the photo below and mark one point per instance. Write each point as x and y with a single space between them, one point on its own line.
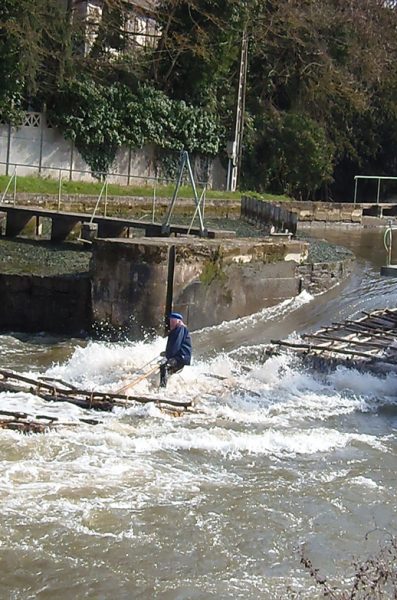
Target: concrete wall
126 294
54 304
214 280
37 148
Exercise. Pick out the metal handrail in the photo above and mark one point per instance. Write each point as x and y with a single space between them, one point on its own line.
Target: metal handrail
379 178
13 177
388 242
103 174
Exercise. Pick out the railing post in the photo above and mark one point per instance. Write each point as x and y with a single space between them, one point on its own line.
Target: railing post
154 203
378 194
59 189
15 185
41 142
8 149
106 197
355 189
71 160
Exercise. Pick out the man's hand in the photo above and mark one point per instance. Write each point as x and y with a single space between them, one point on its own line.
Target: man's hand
172 362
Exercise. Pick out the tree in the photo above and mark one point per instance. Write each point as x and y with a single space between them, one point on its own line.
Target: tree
35 52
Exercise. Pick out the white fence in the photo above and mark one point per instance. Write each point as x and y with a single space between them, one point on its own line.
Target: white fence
37 148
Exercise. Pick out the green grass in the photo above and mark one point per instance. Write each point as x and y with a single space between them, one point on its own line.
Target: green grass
39 185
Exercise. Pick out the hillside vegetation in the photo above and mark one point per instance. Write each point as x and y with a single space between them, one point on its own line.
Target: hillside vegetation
321 93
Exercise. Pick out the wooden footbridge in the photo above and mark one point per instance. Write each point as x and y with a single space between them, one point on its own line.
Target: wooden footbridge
62 223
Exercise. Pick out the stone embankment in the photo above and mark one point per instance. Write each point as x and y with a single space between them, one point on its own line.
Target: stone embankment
125 205
295 215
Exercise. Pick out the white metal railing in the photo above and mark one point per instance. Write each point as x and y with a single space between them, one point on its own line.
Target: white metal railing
379 178
388 242
125 179
13 178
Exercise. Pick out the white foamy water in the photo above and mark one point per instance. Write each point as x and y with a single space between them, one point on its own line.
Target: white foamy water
214 503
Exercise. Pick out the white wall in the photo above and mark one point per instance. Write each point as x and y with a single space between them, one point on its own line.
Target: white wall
37 148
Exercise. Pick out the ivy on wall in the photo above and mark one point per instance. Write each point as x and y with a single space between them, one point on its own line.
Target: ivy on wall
99 119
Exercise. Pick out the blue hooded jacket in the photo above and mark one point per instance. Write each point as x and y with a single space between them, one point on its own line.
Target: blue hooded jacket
179 345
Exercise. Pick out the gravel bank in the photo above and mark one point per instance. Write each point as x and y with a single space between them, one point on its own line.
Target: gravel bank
32 257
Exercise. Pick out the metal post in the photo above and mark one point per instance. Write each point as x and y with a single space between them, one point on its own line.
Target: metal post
170 286
98 201
129 166
195 212
196 199
378 194
106 198
229 173
59 189
8 149
154 203
15 185
167 219
71 160
235 159
41 144
355 189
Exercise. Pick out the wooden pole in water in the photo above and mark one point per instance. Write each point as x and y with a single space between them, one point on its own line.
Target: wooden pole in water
170 287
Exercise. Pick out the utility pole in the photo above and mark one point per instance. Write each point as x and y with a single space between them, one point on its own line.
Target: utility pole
235 146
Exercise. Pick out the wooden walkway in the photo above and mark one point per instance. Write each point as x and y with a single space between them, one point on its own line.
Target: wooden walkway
367 343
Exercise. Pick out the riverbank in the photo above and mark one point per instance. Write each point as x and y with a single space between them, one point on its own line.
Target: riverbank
42 257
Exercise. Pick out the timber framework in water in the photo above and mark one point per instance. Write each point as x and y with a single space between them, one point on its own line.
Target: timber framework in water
368 343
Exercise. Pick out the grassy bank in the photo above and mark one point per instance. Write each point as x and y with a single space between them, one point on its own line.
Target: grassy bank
39 185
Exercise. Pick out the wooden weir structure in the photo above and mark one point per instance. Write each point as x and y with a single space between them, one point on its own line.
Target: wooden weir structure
368 343
54 390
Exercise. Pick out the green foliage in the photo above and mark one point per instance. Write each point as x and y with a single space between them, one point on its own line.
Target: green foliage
34 53
85 113
212 269
321 91
99 119
290 155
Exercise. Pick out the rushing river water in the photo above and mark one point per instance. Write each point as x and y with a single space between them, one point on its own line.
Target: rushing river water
209 505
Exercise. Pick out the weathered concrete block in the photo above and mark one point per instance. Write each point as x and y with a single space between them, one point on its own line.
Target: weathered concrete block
89 231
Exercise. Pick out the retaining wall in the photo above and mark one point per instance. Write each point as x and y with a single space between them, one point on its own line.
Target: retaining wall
54 304
213 281
287 215
319 277
131 280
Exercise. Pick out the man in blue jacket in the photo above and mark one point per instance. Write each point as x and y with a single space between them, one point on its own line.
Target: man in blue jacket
178 351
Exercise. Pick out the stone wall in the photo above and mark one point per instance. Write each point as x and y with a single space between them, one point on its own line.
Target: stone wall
117 205
287 214
319 277
330 212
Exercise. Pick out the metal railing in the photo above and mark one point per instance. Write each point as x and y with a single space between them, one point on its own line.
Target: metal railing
155 181
100 176
378 178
